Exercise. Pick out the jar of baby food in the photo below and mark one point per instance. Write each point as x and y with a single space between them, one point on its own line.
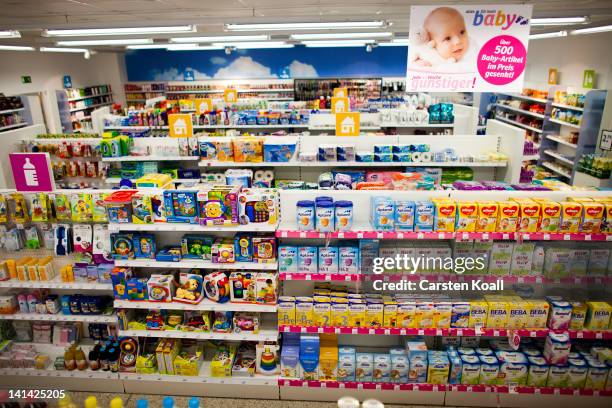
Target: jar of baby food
305 215
344 215
325 216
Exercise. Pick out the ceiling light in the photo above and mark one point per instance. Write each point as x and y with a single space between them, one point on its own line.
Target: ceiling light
254 45
192 47
558 21
548 35
147 46
220 38
396 42
344 43
119 31
10 34
305 26
16 48
592 30
51 49
122 41
332 36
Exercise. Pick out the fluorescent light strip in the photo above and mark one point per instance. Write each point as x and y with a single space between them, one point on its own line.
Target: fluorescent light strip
16 48
10 34
192 47
305 26
254 45
592 30
148 46
336 36
337 43
558 21
119 31
220 38
396 42
52 49
548 35
122 41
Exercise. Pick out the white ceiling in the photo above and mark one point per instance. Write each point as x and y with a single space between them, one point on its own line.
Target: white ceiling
31 16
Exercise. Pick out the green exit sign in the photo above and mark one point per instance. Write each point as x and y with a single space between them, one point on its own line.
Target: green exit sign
26 79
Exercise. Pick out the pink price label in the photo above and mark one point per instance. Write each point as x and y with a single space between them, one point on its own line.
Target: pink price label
502 60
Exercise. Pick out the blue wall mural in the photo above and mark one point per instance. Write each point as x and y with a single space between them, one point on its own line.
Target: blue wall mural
297 62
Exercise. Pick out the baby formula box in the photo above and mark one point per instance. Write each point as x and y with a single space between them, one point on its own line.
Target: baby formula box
509 216
571 217
489 370
577 372
551 216
399 368
382 368
530 216
557 348
560 315
598 316
348 259
514 367
325 216
470 372
328 259
445 215
538 372
579 312
404 215
287 258
557 376
479 310
424 216
460 317
382 216
467 216
307 259
538 314
364 366
346 363
305 213
596 376
488 214
454 375
343 215
592 217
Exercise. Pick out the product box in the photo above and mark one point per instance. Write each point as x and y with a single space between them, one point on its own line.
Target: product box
538 372
530 216
522 257
424 216
500 260
400 367
557 376
307 259
518 315
470 373
404 215
596 375
304 311
489 370
309 356
374 314
405 316
288 259
328 259
488 214
445 214
479 310
382 368
557 348
438 368
514 367
339 312
348 259
424 315
357 313
467 216
346 363
551 216
560 315
579 313
328 361
538 313
417 356
598 316
592 217
577 372
498 314
509 216
460 315
442 315
571 217
364 367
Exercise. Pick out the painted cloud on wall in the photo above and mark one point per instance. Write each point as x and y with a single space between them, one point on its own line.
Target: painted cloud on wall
173 74
218 60
244 67
299 69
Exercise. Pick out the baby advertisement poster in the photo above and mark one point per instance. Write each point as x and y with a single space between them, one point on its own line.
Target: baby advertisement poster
468 48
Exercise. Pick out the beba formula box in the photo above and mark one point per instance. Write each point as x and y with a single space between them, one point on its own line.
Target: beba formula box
498 314
598 316
538 372
478 313
579 312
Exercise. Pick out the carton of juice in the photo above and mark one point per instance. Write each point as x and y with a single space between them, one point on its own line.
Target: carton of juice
571 216
509 216
592 217
529 211
488 212
467 216
551 216
445 214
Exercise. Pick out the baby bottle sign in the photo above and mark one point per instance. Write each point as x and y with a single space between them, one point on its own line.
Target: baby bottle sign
468 48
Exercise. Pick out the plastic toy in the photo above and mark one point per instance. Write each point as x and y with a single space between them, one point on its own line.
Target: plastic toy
62 208
32 240
157 207
119 206
144 246
82 235
267 359
196 246
264 249
243 248
174 320
136 289
122 246
82 207
169 254
20 213
222 251
155 320
153 180
181 206
119 278
99 213
265 288
222 322
39 207
190 289
221 364
218 205
160 288
258 206
127 356
142 210
216 287
242 286
196 321
248 322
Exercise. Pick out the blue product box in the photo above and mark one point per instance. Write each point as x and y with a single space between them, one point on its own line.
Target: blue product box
144 246
290 361
379 148
404 148
424 216
243 247
368 250
346 363
348 259
364 157
454 376
328 259
287 258
400 366
364 367
181 206
308 259
402 157
382 215
104 273
404 215
383 157
278 152
309 356
345 153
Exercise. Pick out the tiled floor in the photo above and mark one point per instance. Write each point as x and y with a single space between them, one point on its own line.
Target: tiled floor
155 401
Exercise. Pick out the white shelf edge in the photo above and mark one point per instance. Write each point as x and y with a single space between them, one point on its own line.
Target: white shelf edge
563 142
205 304
263 335
150 158
518 110
90 106
527 98
194 263
562 123
556 170
184 227
560 105
60 317
80 98
513 122
14 125
559 157
3 112
56 285
351 164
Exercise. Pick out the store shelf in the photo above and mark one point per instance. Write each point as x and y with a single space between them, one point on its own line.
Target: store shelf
560 105
522 111
88 97
418 126
559 156
135 127
220 91
561 141
469 332
502 389
3 112
60 318
556 169
205 304
50 372
301 126
263 335
182 227
13 126
563 123
334 128
202 264
351 164
531 157
524 97
91 106
515 123
360 233
56 284
117 180
150 158
390 277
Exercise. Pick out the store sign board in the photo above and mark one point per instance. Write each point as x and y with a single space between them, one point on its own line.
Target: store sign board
339 105
478 48
553 76
32 171
230 96
347 124
26 79
67 82
188 75
588 79
179 125
340 93
203 105
605 141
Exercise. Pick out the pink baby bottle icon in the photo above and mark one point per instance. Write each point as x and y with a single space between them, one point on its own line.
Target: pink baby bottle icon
29 172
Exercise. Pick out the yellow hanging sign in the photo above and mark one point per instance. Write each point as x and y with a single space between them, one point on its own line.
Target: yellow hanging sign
179 125
203 105
340 105
340 93
347 124
230 95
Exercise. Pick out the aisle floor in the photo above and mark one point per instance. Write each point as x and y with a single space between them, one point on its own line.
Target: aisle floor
155 401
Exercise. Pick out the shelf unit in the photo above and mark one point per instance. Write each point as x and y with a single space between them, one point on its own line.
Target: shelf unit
76 104
205 304
56 284
202 264
267 334
184 227
111 319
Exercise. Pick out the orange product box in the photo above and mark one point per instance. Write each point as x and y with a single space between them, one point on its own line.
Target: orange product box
488 212
607 224
571 216
445 215
529 212
467 216
551 216
580 199
509 216
592 217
